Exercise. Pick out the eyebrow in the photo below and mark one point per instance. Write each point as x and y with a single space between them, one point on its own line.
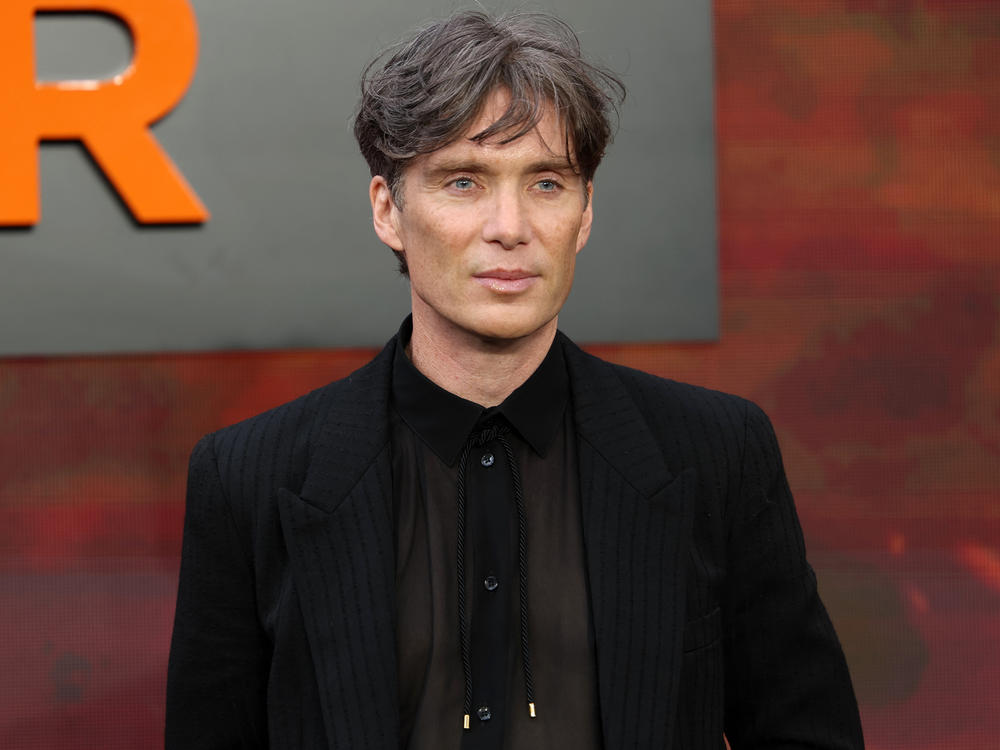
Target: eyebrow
560 164
477 167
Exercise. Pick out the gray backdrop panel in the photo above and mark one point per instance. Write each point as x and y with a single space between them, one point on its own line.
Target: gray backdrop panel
289 257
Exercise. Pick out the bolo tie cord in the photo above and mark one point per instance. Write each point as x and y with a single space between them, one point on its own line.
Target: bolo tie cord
493 432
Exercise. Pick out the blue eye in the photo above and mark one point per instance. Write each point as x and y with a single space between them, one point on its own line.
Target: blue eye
463 183
548 186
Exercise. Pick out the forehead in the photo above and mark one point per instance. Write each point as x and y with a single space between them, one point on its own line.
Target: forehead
549 134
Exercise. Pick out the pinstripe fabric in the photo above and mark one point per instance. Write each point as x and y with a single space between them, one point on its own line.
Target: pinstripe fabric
705 610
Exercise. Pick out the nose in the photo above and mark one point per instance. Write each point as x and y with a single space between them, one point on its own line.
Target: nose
507 220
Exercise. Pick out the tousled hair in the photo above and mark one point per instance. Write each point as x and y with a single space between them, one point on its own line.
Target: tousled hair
425 92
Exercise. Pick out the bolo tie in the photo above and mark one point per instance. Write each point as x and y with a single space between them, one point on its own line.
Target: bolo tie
476 440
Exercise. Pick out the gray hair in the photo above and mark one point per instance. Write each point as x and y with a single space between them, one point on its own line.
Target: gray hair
424 92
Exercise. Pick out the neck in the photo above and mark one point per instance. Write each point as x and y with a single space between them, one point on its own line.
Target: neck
484 371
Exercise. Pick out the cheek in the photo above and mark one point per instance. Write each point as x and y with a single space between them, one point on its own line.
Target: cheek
434 251
454 245
573 240
439 231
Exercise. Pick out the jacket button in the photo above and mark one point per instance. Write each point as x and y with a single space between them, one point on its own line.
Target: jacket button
487 459
491 583
483 712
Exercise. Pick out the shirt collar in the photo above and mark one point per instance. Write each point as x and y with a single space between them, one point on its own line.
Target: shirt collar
444 420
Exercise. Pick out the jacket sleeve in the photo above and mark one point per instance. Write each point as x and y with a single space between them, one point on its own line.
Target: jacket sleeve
787 684
217 671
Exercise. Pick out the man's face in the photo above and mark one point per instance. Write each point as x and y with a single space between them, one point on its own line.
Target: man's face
490 231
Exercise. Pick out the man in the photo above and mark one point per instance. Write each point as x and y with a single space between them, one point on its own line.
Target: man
486 538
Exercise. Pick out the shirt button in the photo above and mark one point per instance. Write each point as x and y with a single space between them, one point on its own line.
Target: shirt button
483 712
487 459
491 583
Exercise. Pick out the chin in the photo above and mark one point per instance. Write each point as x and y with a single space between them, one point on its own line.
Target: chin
510 328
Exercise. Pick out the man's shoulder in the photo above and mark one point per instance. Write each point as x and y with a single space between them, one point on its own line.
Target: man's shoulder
654 393
693 426
295 425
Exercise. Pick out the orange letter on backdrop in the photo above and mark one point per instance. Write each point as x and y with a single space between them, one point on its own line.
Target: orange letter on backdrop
110 117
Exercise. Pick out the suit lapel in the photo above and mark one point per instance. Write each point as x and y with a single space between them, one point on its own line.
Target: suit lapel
339 535
636 528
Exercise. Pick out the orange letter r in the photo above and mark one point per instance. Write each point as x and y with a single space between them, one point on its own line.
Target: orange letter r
111 117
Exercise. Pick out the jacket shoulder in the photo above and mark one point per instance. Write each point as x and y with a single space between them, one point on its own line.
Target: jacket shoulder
685 396
273 448
686 406
692 426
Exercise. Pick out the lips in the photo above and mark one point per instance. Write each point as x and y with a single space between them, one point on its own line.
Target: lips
506 281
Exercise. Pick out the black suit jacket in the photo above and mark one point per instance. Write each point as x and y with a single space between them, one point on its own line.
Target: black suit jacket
705 610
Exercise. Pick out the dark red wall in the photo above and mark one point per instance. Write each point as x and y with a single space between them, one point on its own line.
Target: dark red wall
859 204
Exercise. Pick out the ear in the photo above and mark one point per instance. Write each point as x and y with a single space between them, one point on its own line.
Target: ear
384 213
587 220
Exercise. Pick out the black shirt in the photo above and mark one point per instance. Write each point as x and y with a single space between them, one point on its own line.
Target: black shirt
429 430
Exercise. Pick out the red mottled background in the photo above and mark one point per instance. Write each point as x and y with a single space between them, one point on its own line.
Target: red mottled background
859 209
